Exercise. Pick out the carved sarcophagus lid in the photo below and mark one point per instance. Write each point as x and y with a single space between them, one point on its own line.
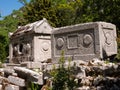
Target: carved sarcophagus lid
84 41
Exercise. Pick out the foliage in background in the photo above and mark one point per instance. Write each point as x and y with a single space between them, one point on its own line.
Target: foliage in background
57 12
8 24
63 78
102 10
39 9
3 48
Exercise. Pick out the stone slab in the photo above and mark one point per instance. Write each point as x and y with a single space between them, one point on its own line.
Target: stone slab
30 75
11 65
32 65
12 87
17 81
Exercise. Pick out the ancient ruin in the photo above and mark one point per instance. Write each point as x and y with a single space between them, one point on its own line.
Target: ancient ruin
33 52
31 44
85 41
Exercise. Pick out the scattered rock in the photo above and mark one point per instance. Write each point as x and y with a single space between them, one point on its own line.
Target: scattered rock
16 81
83 88
12 87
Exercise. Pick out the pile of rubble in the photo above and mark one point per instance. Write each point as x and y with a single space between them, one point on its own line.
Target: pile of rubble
18 78
99 75
92 75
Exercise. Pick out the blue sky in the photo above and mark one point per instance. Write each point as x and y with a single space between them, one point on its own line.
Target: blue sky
7 6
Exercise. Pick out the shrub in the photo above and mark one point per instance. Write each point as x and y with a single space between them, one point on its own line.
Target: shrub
63 78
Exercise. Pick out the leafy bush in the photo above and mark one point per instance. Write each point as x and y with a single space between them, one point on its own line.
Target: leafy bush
63 78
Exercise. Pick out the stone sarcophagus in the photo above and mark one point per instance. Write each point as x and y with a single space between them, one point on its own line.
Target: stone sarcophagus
31 43
84 41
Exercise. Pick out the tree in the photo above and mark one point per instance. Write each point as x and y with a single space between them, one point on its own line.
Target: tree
67 12
39 9
3 48
8 24
57 12
101 10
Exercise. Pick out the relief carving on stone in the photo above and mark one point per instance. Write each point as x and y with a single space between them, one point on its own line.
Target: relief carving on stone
87 40
45 46
72 41
60 43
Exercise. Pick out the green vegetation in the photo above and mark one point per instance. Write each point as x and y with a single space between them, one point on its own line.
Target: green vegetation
63 78
33 86
3 48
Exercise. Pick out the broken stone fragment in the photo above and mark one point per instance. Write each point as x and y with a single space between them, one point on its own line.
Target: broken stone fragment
85 82
8 72
3 80
83 88
27 72
0 87
98 80
14 74
16 81
80 72
100 87
29 75
1 72
11 87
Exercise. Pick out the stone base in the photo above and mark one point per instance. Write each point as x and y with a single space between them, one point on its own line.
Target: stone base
32 65
10 65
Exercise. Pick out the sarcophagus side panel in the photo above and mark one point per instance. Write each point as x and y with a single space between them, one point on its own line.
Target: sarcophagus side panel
84 41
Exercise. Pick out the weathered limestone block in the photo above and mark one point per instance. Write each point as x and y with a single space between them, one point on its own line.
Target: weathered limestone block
30 75
3 80
10 65
1 72
12 87
95 62
98 80
106 69
16 81
14 74
32 65
0 87
80 72
8 71
84 41
83 88
86 81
